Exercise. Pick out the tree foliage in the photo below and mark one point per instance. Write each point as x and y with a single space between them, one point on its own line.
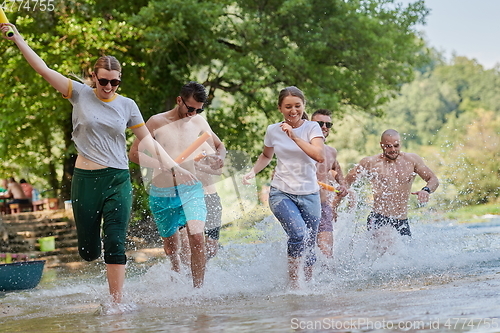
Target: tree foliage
353 54
449 114
472 161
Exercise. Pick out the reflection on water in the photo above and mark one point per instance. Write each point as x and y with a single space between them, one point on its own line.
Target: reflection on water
446 278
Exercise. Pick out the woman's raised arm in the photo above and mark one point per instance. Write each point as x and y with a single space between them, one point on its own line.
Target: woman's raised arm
56 80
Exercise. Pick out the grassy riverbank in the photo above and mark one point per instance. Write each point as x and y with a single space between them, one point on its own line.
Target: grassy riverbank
475 213
243 228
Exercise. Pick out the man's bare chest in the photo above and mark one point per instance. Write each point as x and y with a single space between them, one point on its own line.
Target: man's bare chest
393 174
174 138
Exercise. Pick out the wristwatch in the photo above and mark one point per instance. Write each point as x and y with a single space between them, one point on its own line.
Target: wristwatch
428 190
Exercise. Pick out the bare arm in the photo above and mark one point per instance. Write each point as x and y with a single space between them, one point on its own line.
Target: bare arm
426 174
219 146
139 157
264 159
352 175
215 161
314 150
147 143
56 80
339 178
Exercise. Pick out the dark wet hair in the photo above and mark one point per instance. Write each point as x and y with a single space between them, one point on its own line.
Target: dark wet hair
195 90
324 112
291 91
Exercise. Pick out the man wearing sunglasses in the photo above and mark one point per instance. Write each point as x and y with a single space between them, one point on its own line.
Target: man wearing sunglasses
175 204
391 175
326 171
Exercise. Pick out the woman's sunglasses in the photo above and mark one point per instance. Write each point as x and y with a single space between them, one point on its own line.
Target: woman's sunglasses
328 124
104 82
190 108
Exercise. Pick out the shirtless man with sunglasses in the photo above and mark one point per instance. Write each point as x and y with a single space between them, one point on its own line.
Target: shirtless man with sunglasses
391 175
176 204
329 169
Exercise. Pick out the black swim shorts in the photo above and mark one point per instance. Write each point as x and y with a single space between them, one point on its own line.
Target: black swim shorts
376 220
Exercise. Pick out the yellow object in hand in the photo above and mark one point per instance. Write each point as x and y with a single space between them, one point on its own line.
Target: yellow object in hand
327 187
3 19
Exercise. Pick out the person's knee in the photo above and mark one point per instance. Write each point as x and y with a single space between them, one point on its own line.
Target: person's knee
171 244
197 241
88 255
297 235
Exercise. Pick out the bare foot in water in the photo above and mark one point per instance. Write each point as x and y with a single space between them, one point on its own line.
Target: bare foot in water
115 308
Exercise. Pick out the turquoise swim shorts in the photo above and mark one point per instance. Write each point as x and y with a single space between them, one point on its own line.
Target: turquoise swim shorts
172 207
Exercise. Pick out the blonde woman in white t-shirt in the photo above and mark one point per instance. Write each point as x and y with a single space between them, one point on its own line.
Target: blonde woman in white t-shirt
294 195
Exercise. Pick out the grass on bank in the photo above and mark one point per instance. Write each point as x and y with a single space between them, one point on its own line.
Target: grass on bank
474 213
243 229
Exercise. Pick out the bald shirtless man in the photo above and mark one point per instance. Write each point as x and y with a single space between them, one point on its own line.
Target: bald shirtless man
391 175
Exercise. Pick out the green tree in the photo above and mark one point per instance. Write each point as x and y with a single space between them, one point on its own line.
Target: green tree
36 121
450 116
352 54
472 158
421 109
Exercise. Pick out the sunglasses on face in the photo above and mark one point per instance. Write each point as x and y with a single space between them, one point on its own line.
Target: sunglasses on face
190 108
328 124
390 146
104 82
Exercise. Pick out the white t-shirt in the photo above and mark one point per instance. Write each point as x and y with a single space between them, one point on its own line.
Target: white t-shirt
295 172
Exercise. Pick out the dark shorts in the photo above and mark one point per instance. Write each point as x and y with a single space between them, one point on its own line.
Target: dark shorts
376 220
102 195
326 222
214 215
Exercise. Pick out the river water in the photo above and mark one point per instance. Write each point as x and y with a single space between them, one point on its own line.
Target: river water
445 279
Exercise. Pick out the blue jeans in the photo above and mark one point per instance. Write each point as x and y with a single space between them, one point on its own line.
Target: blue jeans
299 216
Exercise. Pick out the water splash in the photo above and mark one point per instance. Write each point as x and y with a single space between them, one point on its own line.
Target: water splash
444 268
